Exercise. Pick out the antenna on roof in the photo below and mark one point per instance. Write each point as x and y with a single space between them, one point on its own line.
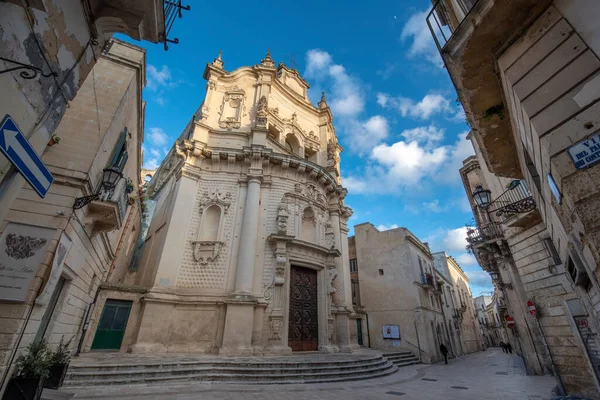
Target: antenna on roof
291 59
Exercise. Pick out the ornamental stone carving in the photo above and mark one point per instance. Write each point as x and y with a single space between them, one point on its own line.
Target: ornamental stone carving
276 324
282 219
232 109
206 251
219 198
262 111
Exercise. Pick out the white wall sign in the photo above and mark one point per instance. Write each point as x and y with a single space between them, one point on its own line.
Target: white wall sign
586 152
22 249
62 249
391 332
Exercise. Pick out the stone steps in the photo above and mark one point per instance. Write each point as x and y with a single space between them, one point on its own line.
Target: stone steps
402 358
229 371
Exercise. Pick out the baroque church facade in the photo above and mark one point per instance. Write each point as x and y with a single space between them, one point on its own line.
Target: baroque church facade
247 249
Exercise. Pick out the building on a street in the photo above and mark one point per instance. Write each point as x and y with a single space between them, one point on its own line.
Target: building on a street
451 326
526 73
247 250
399 291
85 229
463 311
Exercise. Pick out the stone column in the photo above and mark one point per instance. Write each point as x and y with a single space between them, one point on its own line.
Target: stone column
246 256
239 321
340 309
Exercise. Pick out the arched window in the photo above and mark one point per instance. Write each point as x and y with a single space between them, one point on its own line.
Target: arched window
211 218
309 225
292 144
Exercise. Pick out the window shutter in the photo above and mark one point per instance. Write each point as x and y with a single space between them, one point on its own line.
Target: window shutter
123 161
114 161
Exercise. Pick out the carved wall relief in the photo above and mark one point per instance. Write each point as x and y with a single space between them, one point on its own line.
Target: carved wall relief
262 111
275 325
282 219
209 238
232 109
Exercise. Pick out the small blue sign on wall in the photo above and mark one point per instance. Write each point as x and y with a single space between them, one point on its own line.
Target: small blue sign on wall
20 153
586 152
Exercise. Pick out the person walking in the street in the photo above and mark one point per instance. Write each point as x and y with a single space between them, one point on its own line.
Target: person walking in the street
444 352
503 347
509 348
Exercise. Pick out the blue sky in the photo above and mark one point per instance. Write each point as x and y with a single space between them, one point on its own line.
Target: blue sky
394 106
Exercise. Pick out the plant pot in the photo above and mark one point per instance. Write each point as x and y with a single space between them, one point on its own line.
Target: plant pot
57 376
51 142
24 388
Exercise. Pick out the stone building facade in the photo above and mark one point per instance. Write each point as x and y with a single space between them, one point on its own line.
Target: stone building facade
79 248
398 287
461 301
526 73
247 251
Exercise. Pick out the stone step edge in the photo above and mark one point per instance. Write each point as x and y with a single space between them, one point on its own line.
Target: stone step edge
233 363
403 364
399 357
147 380
400 353
76 373
378 374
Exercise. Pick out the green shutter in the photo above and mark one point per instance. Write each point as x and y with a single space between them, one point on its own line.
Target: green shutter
118 150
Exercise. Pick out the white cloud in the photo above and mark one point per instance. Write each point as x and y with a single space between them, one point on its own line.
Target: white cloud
154 153
466 259
422 45
382 99
428 106
427 135
383 227
455 239
354 185
158 137
388 71
479 278
151 163
156 77
434 206
346 96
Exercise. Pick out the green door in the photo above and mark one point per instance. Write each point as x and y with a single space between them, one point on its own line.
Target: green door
111 327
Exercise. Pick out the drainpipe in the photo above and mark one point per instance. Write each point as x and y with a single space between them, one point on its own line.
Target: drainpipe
368 332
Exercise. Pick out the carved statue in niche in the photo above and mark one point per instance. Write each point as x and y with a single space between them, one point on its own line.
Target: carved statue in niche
262 111
232 109
282 218
329 237
331 151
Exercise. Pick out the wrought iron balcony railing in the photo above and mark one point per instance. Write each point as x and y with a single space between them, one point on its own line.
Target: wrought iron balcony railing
491 231
427 279
516 199
172 10
445 17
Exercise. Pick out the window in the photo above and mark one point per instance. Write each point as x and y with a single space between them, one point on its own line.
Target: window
353 265
119 157
535 176
380 272
554 189
552 251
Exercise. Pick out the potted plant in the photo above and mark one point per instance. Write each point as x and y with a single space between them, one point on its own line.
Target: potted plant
59 363
131 199
32 370
55 139
129 185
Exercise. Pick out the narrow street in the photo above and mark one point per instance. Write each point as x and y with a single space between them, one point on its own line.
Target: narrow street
485 375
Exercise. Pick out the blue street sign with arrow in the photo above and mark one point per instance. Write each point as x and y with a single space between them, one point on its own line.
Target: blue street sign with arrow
19 152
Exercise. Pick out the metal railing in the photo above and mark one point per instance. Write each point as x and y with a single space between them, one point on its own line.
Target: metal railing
516 199
427 279
445 17
172 10
491 231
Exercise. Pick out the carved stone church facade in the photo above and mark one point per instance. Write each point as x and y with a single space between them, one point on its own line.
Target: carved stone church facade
247 249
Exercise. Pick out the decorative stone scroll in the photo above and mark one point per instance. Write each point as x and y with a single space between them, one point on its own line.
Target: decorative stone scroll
232 109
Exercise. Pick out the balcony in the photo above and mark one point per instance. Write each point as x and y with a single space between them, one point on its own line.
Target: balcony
108 212
468 34
489 232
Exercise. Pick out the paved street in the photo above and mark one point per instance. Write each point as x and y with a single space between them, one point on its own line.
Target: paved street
485 375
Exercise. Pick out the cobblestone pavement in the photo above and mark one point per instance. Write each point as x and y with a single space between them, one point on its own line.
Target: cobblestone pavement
485 375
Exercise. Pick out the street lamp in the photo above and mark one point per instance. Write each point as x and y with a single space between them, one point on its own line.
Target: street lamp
482 196
496 279
110 178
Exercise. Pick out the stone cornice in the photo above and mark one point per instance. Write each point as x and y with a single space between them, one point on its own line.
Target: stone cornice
302 243
419 245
